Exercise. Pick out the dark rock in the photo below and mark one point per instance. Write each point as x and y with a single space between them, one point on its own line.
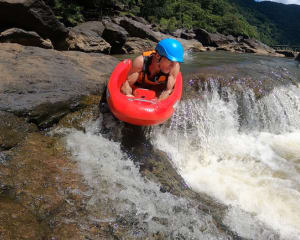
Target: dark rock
137 45
298 57
32 15
257 46
188 35
177 33
239 38
115 20
94 28
40 194
225 48
13 130
136 29
231 38
212 39
79 119
192 45
287 53
115 35
16 35
87 37
54 86
19 222
140 20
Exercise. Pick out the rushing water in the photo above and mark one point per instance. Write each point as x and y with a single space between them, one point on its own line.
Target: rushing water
241 149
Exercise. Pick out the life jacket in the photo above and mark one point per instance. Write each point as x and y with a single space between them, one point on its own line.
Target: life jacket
144 79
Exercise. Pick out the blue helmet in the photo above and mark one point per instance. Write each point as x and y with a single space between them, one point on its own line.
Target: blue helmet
171 49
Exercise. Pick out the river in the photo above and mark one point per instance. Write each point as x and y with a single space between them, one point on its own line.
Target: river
235 136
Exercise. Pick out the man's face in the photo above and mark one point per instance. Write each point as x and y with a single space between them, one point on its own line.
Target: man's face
166 65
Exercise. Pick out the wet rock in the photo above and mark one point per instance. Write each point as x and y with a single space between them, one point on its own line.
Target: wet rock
46 202
225 48
13 130
32 15
79 119
54 86
3 159
210 49
50 198
26 38
87 37
298 57
17 222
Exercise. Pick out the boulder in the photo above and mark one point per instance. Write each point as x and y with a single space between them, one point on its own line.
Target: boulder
136 45
44 85
191 45
140 20
115 35
26 38
177 33
257 46
287 53
212 39
231 38
32 15
94 28
298 57
87 37
225 48
188 35
137 29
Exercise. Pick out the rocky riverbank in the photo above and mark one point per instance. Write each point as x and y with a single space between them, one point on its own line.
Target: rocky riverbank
36 25
53 77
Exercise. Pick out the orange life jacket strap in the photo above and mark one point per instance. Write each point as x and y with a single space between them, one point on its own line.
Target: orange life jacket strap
143 78
148 53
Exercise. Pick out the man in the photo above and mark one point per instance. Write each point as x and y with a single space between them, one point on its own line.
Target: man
156 70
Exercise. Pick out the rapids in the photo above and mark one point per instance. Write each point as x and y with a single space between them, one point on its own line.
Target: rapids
235 136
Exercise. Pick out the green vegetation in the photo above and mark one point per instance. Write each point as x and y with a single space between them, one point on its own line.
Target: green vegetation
276 23
269 22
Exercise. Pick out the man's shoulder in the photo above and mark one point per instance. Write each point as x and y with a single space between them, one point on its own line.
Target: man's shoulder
138 62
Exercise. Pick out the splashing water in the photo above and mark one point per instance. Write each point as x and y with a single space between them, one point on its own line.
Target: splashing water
238 149
117 182
244 152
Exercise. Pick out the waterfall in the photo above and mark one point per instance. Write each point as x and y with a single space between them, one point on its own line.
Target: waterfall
243 151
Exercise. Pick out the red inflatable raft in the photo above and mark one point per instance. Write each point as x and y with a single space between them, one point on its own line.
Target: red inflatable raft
142 109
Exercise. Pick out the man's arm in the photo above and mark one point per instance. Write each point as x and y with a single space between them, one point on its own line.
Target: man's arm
171 82
133 74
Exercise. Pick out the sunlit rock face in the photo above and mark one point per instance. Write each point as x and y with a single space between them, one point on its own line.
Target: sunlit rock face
44 85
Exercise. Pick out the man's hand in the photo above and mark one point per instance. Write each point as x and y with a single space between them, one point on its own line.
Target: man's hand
165 94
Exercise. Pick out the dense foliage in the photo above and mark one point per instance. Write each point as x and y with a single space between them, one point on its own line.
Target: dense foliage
270 22
276 23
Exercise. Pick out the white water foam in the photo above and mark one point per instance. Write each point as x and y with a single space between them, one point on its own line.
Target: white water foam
253 167
102 162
